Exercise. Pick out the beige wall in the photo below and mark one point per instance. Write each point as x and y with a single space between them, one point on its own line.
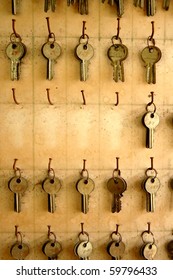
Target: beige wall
69 132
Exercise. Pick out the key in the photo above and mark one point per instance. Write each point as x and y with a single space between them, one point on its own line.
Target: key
19 251
149 251
51 51
84 52
116 249
169 248
151 55
85 187
151 121
18 185
117 186
166 4
117 53
52 249
120 7
46 5
151 7
84 250
151 186
51 186
15 52
53 5
15 6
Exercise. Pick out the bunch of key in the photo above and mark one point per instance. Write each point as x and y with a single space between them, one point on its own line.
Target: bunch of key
15 51
19 250
119 4
51 185
83 248
151 186
15 6
18 185
85 187
116 246
149 248
84 52
51 50
116 186
52 248
117 53
150 121
49 4
150 56
82 5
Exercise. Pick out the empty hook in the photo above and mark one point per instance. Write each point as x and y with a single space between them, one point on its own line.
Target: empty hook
48 96
14 96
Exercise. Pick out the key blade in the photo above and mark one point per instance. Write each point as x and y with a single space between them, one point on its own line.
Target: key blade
85 204
84 70
17 202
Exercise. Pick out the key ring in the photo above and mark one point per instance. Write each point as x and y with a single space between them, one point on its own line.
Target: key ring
84 39
149 233
115 38
117 234
51 173
51 36
83 233
54 235
113 174
14 37
149 104
151 169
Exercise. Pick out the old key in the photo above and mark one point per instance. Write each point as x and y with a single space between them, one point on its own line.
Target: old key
18 185
85 186
117 53
151 185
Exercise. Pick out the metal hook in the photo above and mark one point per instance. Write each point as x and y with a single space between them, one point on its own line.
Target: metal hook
152 159
117 163
14 164
83 29
49 164
117 97
16 169
14 96
83 96
82 228
149 227
84 170
18 233
48 96
48 26
118 28
150 38
13 28
49 233
117 226
84 164
152 97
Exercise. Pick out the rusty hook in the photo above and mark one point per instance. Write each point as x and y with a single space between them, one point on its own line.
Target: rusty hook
14 96
116 231
117 98
118 28
48 26
18 233
83 29
82 228
83 96
149 227
48 96
13 28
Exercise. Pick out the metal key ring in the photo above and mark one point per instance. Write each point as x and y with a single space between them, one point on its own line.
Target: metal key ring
113 174
116 234
15 36
150 39
85 37
51 36
151 169
18 172
83 233
149 104
21 238
87 174
51 173
115 38
149 233
54 235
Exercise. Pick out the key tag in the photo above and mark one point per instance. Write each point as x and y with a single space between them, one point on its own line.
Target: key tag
19 250
52 248
149 248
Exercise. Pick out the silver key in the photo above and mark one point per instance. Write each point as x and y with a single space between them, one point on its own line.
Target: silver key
117 53
116 249
51 51
15 6
151 121
120 7
85 186
15 52
18 185
53 5
52 249
151 185
166 4
46 5
84 52
149 250
151 55
51 186
84 250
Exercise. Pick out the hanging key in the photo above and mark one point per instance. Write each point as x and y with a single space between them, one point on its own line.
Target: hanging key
52 249
83 7
18 185
117 53
19 250
84 250
149 251
51 50
151 55
85 186
84 52
151 121
15 6
49 4
166 4
117 186
150 7
51 186
15 51
151 186
116 249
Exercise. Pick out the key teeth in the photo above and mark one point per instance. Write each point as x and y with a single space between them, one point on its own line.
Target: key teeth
118 206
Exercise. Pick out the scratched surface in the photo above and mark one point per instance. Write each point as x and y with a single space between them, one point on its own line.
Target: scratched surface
68 131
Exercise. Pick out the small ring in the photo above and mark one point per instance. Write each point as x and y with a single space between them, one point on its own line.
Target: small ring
149 104
17 170
115 38
85 36
51 36
151 169
113 174
15 36
51 170
54 235
83 233
87 173
151 40
146 231
117 234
